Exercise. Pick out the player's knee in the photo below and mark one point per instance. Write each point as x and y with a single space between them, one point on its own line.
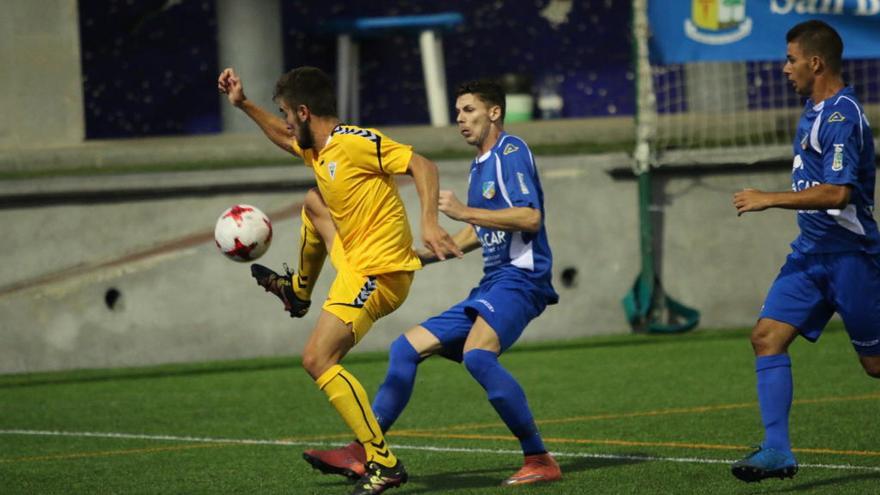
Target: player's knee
478 361
764 342
872 368
759 342
315 364
402 351
402 362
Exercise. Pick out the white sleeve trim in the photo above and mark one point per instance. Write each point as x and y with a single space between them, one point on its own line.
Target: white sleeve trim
861 122
500 178
814 134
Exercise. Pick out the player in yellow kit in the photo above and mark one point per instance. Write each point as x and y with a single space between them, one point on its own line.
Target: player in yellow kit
356 214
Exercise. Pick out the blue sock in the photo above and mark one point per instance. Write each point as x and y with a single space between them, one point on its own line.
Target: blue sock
507 397
774 397
393 395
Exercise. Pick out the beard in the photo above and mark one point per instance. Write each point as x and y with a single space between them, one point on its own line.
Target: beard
805 91
305 137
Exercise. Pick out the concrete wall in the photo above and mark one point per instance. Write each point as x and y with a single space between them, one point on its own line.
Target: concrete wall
185 302
41 80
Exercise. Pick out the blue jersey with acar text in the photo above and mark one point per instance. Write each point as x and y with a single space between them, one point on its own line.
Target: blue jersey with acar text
506 177
834 145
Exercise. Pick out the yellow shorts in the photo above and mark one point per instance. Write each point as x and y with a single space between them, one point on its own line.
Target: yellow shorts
359 299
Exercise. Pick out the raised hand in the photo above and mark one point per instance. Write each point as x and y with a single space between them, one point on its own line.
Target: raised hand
230 84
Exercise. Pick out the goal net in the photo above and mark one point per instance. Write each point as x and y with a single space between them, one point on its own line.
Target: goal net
710 77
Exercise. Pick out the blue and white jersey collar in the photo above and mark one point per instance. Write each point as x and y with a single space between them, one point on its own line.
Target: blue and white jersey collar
485 156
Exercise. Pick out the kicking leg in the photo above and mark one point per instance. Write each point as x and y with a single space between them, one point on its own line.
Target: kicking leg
509 400
316 238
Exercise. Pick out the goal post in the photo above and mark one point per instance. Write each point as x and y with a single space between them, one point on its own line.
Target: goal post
647 306
710 91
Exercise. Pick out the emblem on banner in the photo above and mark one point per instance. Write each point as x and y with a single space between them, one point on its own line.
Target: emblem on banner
718 22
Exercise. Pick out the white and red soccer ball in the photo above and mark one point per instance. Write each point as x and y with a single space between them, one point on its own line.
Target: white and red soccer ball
243 233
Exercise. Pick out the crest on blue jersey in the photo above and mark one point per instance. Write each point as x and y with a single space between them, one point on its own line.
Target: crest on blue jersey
805 141
836 117
489 189
510 148
331 168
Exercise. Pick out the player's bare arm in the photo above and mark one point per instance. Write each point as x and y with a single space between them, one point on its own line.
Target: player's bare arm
821 197
274 127
435 239
466 240
516 218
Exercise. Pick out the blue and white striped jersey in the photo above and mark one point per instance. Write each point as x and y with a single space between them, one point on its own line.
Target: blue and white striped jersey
834 145
506 177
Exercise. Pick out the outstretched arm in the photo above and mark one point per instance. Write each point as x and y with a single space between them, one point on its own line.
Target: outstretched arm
515 218
437 240
465 239
272 126
821 197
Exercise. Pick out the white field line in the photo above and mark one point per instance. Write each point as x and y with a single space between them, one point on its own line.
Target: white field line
398 446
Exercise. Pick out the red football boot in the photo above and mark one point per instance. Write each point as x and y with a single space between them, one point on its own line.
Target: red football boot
537 469
347 461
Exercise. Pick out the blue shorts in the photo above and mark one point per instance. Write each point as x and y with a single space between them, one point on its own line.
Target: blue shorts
506 305
811 287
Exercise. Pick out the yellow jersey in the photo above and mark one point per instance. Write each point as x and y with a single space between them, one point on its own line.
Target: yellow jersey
355 172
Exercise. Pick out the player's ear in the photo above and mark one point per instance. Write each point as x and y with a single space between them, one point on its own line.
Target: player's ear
303 113
817 65
495 113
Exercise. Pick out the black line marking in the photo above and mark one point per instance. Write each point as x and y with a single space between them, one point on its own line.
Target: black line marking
353 393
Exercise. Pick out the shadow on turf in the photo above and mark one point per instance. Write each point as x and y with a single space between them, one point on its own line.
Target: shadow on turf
829 483
492 477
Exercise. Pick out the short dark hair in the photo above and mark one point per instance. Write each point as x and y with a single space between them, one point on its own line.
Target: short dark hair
817 38
307 86
488 91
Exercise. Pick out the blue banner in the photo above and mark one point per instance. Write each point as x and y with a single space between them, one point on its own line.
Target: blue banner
728 30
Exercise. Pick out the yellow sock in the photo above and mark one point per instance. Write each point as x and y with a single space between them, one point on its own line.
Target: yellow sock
350 401
311 258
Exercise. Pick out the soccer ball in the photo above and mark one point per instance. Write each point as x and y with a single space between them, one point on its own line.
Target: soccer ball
243 233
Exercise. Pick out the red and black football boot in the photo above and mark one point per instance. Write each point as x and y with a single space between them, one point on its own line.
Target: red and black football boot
282 287
347 461
379 478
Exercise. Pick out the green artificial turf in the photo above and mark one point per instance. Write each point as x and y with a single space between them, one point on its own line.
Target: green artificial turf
636 414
